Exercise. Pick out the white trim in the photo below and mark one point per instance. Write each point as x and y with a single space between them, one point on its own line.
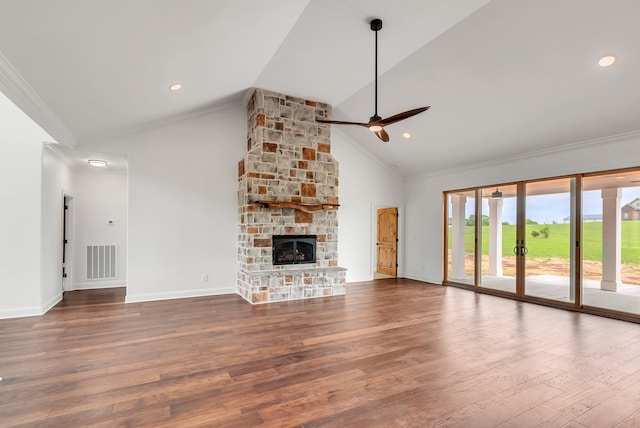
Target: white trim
27 311
25 97
51 303
53 148
421 278
31 311
528 155
97 284
150 297
161 122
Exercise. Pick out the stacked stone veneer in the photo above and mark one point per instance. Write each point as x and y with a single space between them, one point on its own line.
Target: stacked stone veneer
288 159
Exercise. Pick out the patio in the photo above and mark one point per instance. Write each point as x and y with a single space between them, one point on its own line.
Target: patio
553 287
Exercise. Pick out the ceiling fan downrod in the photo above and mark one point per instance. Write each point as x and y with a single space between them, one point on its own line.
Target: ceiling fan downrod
376 124
376 25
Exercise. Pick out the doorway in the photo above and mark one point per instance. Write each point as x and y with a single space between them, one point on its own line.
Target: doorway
387 242
66 242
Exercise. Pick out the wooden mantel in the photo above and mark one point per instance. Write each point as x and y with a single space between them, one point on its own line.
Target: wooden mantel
304 207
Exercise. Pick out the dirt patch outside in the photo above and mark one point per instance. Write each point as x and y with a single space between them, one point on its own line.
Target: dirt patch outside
555 266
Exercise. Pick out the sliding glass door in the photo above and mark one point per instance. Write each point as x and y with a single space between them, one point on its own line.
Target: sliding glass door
461 207
572 241
546 243
515 238
498 224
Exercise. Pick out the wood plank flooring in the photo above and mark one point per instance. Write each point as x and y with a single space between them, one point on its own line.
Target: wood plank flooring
391 353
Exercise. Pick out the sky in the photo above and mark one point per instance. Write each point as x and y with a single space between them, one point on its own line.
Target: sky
555 207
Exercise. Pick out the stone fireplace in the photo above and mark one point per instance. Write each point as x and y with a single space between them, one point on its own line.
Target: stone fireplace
287 189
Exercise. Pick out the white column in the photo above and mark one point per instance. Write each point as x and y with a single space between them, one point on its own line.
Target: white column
611 240
495 236
458 225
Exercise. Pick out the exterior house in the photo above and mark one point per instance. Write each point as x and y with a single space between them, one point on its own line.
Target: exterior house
631 211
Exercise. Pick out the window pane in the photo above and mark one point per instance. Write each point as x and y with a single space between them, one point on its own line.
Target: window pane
461 237
498 224
611 242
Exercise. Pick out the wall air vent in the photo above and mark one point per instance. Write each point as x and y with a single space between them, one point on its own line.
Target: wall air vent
101 261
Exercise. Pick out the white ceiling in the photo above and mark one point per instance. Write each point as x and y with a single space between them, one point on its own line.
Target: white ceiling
503 77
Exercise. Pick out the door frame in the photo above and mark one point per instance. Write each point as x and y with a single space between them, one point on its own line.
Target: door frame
67 256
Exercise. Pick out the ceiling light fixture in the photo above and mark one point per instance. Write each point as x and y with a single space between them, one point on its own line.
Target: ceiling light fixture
406 135
497 194
606 61
97 162
175 87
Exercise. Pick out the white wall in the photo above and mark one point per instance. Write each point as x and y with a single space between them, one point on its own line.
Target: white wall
423 196
56 180
365 186
182 205
100 194
20 212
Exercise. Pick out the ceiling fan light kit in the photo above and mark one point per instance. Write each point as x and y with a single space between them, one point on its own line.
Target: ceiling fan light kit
376 123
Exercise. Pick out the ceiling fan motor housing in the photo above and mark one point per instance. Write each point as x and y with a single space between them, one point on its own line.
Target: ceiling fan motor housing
376 24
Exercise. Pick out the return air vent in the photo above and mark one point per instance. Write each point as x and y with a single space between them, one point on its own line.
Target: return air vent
101 261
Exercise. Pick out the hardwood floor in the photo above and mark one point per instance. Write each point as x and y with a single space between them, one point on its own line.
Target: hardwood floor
391 353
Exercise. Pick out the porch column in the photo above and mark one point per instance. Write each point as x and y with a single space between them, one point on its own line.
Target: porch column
495 236
611 240
458 225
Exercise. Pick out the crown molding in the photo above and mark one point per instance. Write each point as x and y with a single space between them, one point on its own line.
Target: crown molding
104 137
22 95
529 155
53 147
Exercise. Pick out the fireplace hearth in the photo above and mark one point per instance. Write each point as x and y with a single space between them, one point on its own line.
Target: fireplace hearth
294 249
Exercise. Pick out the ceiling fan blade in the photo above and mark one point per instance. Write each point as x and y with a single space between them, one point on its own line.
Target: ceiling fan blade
382 134
402 116
340 122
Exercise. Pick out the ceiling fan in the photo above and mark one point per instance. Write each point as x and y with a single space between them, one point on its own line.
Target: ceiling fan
376 124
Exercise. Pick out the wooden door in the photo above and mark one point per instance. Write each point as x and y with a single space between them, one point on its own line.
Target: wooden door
387 243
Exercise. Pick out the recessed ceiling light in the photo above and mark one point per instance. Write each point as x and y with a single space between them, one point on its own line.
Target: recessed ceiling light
620 178
175 87
97 162
606 61
406 135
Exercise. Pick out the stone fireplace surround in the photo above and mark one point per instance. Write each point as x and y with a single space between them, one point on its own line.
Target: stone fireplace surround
288 159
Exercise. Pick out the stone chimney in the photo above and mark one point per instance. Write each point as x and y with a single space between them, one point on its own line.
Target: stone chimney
288 161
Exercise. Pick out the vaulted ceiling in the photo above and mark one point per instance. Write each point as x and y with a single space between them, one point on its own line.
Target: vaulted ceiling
503 77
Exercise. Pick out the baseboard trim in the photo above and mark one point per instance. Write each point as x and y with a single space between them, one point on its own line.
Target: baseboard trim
150 297
421 278
27 311
51 303
97 285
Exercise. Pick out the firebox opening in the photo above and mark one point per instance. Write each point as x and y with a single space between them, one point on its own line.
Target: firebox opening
294 249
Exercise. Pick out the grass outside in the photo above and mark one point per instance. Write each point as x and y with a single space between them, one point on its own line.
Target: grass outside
558 243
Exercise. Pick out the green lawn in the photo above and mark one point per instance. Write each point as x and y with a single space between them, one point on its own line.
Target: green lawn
558 242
